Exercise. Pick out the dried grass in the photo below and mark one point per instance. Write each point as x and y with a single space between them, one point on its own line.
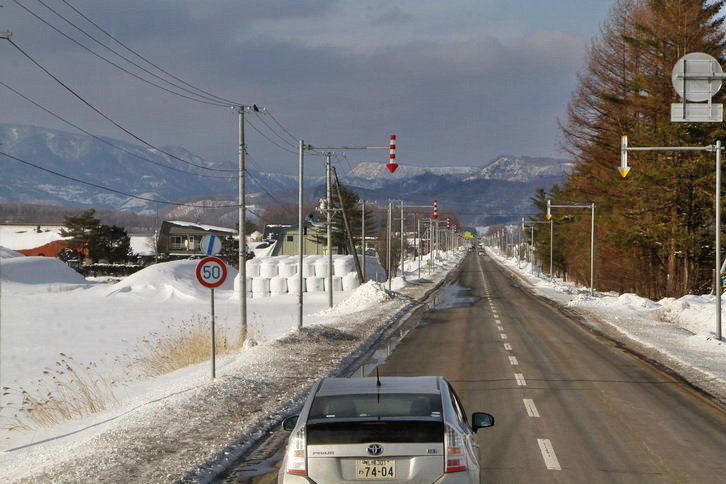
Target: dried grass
69 390
184 344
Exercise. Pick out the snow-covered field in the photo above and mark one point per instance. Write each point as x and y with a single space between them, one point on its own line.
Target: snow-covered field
47 309
49 314
678 333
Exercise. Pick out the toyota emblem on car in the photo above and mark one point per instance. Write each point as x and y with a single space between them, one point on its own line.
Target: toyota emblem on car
375 449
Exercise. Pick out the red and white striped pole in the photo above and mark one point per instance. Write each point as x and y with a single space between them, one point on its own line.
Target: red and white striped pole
392 165
436 210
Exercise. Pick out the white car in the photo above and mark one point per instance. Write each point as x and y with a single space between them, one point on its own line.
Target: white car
402 429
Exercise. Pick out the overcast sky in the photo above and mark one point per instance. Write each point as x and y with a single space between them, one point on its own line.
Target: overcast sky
459 81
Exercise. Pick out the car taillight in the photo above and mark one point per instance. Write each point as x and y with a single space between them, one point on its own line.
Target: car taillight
454 455
296 458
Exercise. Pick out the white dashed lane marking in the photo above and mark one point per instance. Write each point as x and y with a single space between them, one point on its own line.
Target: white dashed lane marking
513 360
548 454
503 335
507 347
520 380
531 408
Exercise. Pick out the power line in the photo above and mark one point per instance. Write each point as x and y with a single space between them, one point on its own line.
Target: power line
274 119
284 140
110 61
270 140
108 189
113 145
115 39
79 97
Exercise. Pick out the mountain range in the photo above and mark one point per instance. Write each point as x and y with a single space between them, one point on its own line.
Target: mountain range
495 191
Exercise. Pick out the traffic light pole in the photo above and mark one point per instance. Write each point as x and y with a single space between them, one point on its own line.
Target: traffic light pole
625 169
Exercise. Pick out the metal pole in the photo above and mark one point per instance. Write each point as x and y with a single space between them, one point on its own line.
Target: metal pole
592 251
388 245
328 214
301 235
214 345
242 251
363 237
418 245
552 240
718 240
403 259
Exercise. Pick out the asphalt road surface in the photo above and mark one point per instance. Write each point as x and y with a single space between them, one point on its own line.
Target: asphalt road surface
570 406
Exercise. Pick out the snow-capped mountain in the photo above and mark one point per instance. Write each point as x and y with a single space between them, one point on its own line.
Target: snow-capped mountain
124 167
506 181
522 169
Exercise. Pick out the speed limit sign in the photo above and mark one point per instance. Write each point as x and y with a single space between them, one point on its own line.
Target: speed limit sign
211 272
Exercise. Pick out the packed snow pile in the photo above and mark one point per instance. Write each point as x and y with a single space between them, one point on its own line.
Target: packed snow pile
694 313
37 270
627 300
168 280
371 293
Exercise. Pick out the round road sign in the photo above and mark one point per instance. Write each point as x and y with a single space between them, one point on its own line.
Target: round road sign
697 67
211 272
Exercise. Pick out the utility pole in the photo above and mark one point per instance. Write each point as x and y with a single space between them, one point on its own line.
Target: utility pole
242 219
388 245
403 259
300 233
329 218
363 236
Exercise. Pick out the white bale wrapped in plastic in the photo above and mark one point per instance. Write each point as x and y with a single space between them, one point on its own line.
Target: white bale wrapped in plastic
321 267
286 269
260 284
268 268
253 268
293 285
350 281
315 284
337 283
342 265
278 285
308 268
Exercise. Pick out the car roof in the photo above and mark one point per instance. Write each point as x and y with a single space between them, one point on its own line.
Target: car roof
390 384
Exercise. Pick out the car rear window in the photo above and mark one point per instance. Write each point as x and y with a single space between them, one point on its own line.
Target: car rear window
376 405
384 431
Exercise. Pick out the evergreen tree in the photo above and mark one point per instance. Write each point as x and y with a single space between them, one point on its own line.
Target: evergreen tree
95 240
654 229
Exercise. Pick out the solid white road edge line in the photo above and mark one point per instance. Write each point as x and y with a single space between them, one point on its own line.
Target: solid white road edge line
531 408
520 380
548 454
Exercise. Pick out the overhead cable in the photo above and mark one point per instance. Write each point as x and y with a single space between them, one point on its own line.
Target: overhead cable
108 189
122 44
113 145
100 113
112 62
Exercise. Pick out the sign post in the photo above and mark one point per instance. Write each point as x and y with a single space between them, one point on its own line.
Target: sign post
211 272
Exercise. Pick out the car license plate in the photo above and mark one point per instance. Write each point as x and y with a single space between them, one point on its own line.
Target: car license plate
375 469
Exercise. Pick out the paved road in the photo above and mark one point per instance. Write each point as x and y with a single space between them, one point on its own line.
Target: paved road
569 406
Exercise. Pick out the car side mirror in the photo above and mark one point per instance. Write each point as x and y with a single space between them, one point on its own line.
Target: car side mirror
290 422
481 420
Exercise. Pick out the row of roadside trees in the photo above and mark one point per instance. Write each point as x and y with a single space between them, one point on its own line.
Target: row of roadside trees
655 229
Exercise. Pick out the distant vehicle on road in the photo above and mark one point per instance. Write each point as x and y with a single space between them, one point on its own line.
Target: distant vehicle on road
402 429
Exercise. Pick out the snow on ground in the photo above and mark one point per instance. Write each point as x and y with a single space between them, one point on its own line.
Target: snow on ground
678 333
47 310
20 237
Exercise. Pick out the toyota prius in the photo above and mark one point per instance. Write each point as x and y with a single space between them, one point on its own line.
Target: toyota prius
390 429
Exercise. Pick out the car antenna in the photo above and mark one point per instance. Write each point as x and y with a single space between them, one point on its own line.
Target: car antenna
378 378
